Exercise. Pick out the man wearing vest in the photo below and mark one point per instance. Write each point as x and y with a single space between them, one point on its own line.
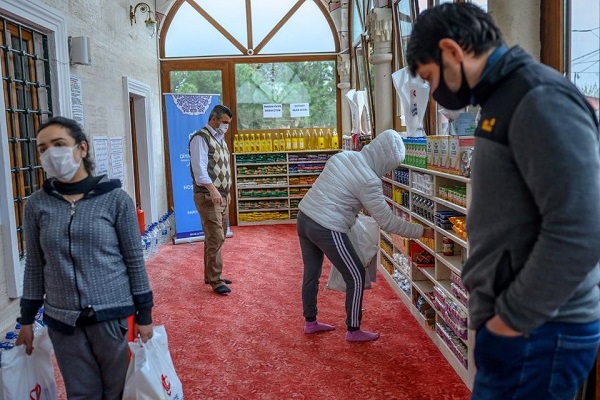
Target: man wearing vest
534 220
211 173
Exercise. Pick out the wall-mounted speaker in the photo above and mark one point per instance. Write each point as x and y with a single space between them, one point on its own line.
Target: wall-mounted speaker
79 50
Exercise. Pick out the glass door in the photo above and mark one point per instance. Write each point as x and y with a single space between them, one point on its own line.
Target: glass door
207 77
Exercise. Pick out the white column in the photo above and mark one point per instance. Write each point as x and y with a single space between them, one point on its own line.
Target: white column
343 68
380 32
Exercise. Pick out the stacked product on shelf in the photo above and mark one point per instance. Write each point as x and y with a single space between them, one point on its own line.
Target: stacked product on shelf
449 154
300 139
429 283
269 186
416 152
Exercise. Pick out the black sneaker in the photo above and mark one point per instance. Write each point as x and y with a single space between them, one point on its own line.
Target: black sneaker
223 289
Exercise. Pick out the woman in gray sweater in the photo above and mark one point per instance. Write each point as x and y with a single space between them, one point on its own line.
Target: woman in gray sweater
85 265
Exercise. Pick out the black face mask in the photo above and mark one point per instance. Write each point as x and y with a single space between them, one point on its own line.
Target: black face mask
449 99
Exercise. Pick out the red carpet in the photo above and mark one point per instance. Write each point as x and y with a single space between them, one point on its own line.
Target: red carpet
250 344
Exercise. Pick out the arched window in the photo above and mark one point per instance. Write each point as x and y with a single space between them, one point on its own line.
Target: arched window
199 28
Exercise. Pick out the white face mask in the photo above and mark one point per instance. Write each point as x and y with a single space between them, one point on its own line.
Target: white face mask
223 128
58 162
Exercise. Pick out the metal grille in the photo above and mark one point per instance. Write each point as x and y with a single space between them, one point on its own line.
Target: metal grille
27 98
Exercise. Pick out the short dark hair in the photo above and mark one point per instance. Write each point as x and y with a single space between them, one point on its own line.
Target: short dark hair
465 23
76 132
219 110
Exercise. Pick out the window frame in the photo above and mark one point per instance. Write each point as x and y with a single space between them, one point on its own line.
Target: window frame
51 22
253 48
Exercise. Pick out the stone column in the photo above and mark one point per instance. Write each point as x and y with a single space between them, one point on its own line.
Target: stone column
380 32
343 68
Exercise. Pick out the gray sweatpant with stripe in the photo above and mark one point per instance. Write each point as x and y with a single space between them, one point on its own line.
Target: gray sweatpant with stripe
315 242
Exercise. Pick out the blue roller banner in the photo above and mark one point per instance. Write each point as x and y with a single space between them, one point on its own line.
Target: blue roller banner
186 113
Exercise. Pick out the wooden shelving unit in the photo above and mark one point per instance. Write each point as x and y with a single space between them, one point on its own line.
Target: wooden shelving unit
270 185
417 284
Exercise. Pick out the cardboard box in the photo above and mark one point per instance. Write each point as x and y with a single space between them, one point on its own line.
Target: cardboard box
436 152
454 155
430 151
443 152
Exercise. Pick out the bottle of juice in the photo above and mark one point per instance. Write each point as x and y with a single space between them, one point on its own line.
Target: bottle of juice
335 140
252 143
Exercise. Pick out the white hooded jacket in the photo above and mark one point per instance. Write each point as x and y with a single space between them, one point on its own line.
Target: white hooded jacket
351 181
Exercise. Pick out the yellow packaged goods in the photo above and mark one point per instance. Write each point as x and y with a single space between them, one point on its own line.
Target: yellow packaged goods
459 232
458 221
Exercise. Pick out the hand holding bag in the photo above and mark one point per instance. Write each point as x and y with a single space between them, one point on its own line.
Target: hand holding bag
151 374
29 377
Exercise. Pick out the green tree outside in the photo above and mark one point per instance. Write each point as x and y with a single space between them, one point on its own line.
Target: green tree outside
311 82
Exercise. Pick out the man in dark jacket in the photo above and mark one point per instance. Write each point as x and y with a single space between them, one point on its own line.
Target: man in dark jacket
534 219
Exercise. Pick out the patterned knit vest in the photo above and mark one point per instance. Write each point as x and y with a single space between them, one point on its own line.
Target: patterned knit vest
218 163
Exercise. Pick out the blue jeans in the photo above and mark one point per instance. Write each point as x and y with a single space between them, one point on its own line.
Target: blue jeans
549 363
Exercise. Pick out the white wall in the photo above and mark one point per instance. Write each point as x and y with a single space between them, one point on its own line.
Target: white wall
520 23
118 49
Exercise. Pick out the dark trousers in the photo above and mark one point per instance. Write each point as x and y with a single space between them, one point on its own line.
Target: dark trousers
93 361
549 363
317 242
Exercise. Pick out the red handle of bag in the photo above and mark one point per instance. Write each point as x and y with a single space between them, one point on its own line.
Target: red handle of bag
130 335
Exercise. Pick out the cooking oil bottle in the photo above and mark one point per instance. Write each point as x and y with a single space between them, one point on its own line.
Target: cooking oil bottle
301 140
294 140
269 142
321 140
288 141
335 140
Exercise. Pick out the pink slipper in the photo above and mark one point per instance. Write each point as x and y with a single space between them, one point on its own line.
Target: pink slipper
361 336
314 327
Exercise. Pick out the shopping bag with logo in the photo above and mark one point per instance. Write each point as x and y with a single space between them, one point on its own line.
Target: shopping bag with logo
364 236
151 374
29 377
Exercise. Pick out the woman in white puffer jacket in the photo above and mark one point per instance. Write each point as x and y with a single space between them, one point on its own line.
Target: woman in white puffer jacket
349 182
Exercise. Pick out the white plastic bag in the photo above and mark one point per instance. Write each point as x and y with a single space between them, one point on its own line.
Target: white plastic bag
413 93
364 236
29 377
151 374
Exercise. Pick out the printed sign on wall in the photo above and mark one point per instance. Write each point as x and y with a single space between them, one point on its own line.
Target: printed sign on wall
272 110
299 110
